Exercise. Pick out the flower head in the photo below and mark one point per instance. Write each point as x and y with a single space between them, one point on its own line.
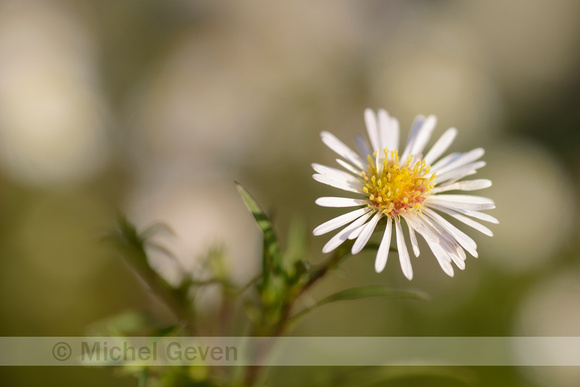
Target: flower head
390 187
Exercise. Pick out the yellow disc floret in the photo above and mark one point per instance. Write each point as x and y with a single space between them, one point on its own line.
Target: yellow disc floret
395 188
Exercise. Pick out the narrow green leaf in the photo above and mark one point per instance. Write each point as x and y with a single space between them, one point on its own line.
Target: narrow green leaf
132 246
271 249
128 240
372 291
124 324
167 331
144 377
297 243
364 292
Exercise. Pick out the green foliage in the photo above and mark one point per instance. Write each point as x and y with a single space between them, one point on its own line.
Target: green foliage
266 305
133 248
364 292
271 261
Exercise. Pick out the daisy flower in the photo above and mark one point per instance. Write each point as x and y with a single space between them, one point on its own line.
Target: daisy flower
390 187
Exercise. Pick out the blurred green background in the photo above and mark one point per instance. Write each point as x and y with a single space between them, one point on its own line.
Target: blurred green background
154 108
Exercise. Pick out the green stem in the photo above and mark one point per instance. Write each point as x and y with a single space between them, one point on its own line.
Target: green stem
263 328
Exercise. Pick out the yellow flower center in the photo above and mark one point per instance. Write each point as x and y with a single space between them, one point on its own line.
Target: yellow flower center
397 188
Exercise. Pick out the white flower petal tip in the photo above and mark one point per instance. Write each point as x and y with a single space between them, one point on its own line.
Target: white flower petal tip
410 186
469 185
339 202
343 235
380 266
339 221
365 234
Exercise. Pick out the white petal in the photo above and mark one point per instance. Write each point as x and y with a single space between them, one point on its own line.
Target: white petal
337 183
463 239
330 201
342 150
441 247
415 129
383 127
335 173
355 233
441 145
470 222
339 221
466 202
413 238
443 235
450 233
473 214
423 135
375 136
453 251
365 234
452 254
389 128
404 258
460 252
348 167
463 199
478 215
384 247
456 174
468 185
445 161
433 238
457 259
390 132
342 236
373 129
363 146
445 265
464 159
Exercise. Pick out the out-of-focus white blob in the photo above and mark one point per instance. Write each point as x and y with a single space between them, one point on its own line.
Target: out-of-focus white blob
535 207
223 88
202 214
195 109
433 66
51 116
532 44
296 47
550 309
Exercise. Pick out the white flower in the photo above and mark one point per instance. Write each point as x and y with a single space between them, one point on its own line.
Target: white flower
389 187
